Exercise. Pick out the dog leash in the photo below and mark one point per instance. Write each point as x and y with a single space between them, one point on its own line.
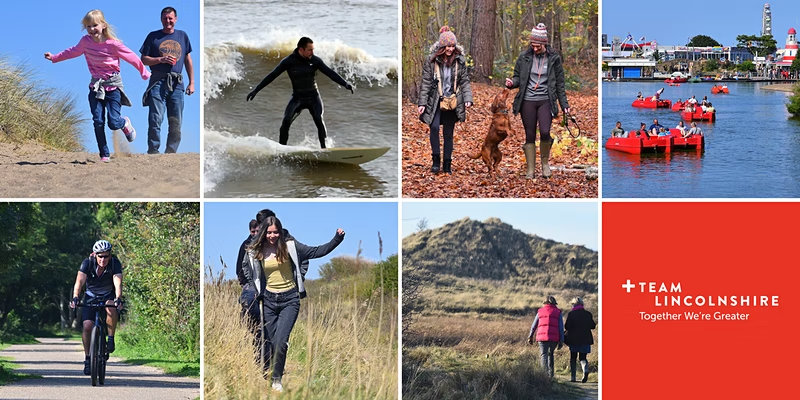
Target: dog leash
575 127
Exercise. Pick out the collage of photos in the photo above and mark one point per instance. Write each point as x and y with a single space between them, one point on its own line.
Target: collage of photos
396 199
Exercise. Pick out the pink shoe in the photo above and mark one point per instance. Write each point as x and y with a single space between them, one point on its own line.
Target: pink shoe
105 159
128 130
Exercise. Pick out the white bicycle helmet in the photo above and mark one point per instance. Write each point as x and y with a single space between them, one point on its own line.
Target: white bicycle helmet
101 246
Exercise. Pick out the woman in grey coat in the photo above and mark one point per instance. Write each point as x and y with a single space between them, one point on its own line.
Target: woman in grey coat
448 58
272 267
539 69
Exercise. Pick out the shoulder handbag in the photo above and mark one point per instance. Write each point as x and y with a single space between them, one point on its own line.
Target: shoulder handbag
448 103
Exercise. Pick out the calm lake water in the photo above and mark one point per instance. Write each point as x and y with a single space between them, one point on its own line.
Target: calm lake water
752 150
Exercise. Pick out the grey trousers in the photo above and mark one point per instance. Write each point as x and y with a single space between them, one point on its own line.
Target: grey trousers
548 359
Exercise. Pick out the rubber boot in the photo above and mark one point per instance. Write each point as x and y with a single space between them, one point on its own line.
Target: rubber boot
530 158
573 370
544 150
585 367
446 166
436 160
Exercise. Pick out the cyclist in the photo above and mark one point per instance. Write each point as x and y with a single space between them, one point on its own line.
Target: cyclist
102 274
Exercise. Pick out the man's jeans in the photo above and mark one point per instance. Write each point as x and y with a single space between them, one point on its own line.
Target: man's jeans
161 101
99 108
280 314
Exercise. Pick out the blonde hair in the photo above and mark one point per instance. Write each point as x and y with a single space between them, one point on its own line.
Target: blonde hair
97 17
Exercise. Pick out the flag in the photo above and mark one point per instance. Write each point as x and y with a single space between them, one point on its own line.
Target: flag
641 39
629 37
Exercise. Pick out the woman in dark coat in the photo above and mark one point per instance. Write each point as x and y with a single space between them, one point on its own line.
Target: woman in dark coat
447 64
540 76
578 337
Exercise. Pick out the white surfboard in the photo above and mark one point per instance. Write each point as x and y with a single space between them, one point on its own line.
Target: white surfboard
339 155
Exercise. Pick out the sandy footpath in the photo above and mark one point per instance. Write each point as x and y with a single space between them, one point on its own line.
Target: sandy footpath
783 87
32 171
60 365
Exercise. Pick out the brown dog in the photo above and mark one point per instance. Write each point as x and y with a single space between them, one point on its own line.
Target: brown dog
499 129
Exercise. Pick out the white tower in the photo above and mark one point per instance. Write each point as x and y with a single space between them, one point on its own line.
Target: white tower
791 46
766 21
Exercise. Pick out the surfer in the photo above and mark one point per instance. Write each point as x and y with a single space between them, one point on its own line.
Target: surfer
302 66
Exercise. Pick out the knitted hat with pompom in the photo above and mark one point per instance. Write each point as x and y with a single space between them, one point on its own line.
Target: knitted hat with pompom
539 34
446 37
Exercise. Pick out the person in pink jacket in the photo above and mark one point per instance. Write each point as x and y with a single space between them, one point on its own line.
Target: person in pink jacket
548 329
103 50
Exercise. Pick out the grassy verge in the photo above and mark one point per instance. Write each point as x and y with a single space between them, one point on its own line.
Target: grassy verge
7 374
141 355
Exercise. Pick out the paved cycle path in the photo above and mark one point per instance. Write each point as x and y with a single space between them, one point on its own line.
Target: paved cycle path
60 363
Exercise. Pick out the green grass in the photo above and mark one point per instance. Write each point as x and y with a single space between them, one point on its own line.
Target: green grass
141 356
7 374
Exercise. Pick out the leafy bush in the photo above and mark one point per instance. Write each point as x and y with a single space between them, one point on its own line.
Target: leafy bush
710 65
794 101
389 267
159 246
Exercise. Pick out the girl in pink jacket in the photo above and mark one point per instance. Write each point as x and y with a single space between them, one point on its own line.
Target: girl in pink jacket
103 51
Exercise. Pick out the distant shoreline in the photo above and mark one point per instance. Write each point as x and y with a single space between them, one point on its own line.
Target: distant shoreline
783 87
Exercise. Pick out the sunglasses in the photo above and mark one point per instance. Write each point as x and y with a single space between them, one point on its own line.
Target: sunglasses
103 255
254 231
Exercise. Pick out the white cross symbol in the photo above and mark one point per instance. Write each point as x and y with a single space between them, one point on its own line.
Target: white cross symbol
628 286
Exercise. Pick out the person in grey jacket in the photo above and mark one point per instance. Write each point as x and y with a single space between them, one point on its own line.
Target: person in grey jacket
275 272
449 58
539 69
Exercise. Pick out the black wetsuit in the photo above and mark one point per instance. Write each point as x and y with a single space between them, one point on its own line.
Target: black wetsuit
302 72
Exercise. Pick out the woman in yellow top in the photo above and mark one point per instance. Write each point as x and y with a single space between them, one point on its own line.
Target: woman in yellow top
275 272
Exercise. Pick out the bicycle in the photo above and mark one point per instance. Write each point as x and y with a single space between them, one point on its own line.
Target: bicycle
98 352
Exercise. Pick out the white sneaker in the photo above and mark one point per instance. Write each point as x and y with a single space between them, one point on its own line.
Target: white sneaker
276 385
128 130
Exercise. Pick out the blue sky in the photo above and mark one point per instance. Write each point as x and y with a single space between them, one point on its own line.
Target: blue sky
31 29
673 23
566 222
313 223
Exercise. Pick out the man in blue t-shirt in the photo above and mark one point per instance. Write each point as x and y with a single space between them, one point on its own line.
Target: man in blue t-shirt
655 128
166 51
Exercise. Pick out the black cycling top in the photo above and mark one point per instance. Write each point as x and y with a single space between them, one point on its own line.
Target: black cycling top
302 72
102 285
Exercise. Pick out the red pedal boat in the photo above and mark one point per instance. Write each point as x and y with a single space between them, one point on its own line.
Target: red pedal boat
699 115
649 103
675 80
719 89
655 144
679 106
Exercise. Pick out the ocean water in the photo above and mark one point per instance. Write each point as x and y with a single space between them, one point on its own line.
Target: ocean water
751 151
244 41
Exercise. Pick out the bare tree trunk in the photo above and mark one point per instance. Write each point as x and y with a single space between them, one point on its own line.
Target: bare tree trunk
482 48
555 28
414 46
